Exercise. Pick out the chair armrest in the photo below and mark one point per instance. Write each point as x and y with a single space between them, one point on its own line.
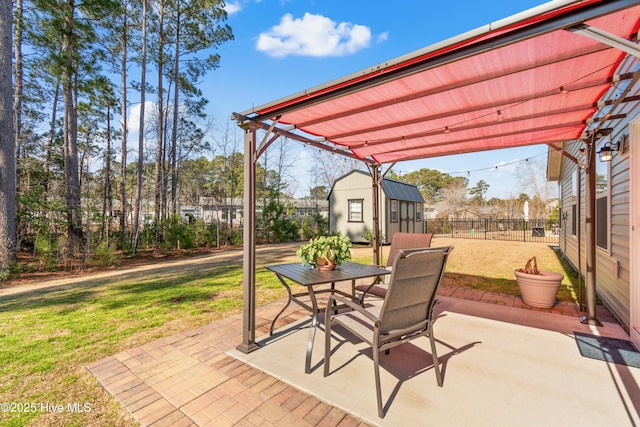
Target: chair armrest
351 304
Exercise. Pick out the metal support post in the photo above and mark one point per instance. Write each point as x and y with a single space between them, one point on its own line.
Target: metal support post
249 243
590 247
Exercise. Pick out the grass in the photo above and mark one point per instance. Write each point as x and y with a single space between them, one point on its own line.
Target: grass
489 265
47 336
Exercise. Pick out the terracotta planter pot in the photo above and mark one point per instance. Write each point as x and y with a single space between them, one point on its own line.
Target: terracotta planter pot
539 290
325 264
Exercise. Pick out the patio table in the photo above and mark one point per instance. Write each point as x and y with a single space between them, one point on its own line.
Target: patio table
312 278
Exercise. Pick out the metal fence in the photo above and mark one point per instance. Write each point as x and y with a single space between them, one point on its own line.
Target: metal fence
518 230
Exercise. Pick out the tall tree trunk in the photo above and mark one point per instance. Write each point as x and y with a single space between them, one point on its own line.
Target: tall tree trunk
163 168
7 147
174 133
52 136
17 102
18 89
72 179
143 82
159 148
107 196
124 127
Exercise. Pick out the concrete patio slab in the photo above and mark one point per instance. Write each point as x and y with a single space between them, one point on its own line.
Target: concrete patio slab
502 366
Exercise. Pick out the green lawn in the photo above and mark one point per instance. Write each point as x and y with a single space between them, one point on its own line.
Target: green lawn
47 337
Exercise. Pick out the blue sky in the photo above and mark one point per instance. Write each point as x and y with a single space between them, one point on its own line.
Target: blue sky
284 46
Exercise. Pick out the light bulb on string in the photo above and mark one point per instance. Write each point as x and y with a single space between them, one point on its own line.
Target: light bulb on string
564 92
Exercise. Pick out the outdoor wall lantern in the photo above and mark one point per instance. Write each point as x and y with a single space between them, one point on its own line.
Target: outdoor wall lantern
606 151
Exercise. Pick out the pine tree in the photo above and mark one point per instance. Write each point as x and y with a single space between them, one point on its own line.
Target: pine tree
7 148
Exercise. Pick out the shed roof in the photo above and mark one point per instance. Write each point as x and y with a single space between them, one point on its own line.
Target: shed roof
392 189
401 191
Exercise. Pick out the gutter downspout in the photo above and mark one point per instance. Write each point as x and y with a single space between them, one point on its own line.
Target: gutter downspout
579 231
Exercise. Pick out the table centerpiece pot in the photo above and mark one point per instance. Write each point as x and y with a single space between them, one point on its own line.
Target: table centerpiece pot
325 252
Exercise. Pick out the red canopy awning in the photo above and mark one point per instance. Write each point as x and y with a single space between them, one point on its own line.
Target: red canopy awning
529 79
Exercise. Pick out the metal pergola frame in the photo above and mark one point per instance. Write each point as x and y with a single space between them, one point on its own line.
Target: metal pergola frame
258 119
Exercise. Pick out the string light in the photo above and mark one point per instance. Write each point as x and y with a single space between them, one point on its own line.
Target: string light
446 129
496 167
500 117
564 92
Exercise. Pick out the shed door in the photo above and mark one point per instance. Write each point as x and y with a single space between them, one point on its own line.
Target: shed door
407 212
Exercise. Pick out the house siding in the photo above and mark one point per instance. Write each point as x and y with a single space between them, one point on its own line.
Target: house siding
613 269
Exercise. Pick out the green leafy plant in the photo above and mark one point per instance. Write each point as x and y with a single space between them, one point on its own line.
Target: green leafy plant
276 224
335 248
314 226
106 255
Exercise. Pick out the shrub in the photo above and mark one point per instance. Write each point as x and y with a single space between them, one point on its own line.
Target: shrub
106 255
177 234
45 252
276 226
314 226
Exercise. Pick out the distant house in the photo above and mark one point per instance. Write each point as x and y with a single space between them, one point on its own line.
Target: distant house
461 211
351 207
230 210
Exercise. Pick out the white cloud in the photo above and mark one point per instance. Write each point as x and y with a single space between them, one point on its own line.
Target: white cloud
133 121
232 8
383 37
313 35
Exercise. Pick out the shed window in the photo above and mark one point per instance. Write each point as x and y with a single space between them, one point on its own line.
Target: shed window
574 220
355 210
419 208
394 211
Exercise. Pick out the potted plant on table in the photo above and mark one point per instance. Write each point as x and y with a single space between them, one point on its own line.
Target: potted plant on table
325 252
537 287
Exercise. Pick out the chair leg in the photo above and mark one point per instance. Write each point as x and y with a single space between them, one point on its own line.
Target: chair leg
376 368
436 365
327 344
